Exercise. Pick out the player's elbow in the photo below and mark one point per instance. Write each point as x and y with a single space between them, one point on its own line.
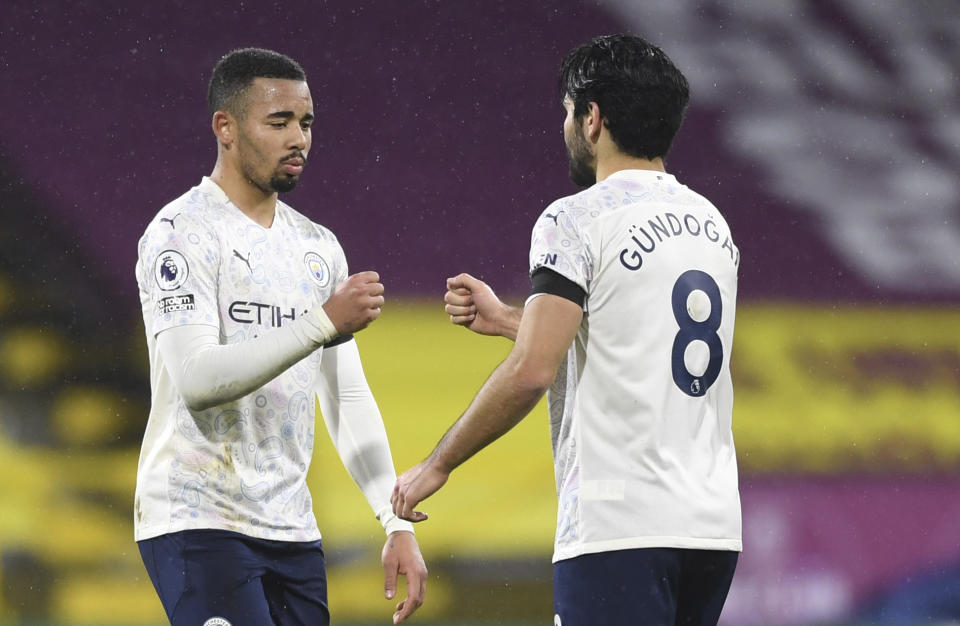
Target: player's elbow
199 385
198 394
197 399
532 375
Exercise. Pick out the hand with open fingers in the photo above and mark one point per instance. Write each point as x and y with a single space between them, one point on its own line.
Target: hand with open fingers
356 302
414 486
401 557
472 303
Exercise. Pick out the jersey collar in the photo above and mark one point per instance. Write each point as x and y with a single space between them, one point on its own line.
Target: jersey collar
214 189
641 175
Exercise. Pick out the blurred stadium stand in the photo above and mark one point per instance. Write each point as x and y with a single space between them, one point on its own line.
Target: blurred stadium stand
827 132
72 402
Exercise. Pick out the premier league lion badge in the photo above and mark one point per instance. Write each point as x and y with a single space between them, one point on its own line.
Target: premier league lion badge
171 270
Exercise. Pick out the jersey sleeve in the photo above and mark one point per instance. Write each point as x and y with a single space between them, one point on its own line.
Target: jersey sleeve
340 270
339 273
558 244
179 263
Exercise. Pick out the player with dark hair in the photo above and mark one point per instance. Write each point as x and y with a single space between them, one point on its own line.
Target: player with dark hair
630 326
234 74
249 310
642 95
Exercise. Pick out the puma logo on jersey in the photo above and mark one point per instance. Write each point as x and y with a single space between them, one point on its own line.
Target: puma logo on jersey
245 260
163 219
554 217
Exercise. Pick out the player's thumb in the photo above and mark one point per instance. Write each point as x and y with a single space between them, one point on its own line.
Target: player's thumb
460 280
390 581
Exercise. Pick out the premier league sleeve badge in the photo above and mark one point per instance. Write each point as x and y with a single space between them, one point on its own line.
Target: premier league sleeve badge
171 270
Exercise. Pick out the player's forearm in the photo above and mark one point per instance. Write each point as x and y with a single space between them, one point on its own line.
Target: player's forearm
357 431
549 325
511 392
207 373
358 434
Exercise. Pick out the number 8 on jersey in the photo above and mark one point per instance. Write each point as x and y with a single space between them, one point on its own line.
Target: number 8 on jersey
687 303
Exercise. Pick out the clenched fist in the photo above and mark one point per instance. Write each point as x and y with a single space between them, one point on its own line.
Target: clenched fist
355 303
470 302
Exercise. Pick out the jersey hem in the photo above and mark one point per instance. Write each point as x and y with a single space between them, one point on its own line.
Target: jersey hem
149 532
689 543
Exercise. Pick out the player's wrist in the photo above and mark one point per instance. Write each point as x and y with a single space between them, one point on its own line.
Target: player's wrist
510 316
508 321
391 523
326 330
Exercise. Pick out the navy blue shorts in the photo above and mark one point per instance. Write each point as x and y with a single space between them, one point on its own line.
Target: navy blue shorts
222 578
648 586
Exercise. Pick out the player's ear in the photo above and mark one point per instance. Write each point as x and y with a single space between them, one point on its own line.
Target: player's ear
592 122
224 127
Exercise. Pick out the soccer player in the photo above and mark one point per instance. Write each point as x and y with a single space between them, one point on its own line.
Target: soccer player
630 326
249 314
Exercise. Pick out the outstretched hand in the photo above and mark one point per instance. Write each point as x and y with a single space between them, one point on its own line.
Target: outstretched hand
472 303
414 486
401 557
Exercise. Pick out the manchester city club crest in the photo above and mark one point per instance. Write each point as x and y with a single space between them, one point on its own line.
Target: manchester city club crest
319 271
171 270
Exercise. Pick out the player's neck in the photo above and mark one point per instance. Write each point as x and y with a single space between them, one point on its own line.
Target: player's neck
250 199
613 163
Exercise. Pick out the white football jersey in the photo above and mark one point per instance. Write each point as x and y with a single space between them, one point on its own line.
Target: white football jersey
640 414
240 466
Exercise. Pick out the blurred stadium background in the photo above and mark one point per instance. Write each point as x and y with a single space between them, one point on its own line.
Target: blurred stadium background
828 132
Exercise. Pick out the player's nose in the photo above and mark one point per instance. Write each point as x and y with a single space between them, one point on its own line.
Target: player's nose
299 139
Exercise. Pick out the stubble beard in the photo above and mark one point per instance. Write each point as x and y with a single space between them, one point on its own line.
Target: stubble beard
283 183
579 156
278 182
